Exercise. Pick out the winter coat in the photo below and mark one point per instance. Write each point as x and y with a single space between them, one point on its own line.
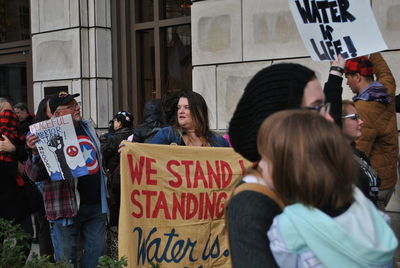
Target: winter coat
13 201
109 145
307 237
154 120
379 139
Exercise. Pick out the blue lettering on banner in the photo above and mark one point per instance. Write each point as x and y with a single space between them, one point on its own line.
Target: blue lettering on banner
154 249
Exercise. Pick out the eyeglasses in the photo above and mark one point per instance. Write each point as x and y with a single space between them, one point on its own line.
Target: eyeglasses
70 107
354 117
322 109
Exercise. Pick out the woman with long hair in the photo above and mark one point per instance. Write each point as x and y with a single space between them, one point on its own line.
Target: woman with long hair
192 124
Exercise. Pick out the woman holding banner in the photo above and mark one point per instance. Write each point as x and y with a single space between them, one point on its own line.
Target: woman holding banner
250 211
192 125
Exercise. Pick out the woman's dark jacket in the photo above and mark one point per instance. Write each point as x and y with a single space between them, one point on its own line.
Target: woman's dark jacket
13 202
154 120
109 145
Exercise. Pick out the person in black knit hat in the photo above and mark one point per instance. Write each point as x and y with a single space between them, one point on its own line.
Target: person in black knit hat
250 213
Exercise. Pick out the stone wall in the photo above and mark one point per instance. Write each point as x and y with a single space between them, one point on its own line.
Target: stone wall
71 46
233 39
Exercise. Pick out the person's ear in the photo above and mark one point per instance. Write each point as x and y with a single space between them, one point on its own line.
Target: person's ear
358 77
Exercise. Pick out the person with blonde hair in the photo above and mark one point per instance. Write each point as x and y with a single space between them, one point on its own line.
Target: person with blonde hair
327 221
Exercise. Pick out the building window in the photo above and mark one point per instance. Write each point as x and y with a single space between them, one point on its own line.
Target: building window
14 21
162 40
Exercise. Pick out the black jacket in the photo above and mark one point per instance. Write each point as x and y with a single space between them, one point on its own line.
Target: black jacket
154 119
109 145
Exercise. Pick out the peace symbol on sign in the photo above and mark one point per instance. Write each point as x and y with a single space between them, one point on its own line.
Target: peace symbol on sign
72 150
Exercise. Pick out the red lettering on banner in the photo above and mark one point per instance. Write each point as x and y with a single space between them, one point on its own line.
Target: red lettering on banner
150 171
148 195
209 206
187 164
241 163
221 175
137 204
226 174
201 206
221 204
180 206
161 204
136 172
178 177
191 198
214 175
184 205
199 175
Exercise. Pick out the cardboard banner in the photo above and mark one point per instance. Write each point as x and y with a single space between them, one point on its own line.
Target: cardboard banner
59 148
172 204
330 28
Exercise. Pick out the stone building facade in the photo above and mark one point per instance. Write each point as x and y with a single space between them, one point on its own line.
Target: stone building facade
71 48
118 54
233 39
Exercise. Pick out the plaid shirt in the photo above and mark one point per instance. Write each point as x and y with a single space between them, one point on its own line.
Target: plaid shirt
58 196
8 127
60 199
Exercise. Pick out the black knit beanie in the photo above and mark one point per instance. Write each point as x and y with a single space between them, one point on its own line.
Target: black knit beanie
274 88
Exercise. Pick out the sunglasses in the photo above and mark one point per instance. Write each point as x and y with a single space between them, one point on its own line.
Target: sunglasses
354 117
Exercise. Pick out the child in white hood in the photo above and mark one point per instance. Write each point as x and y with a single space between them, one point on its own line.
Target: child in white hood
327 221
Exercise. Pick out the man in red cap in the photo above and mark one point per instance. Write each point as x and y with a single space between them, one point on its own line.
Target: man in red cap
375 102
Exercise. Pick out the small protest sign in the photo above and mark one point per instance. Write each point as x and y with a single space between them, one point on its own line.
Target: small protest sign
59 148
172 204
332 27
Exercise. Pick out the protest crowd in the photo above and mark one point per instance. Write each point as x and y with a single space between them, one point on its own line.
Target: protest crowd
318 168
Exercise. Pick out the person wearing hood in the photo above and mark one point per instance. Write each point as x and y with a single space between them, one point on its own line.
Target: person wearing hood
154 120
327 221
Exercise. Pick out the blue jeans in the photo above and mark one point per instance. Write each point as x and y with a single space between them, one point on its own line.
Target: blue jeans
90 226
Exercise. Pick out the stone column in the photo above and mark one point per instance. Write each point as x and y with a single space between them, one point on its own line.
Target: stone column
71 48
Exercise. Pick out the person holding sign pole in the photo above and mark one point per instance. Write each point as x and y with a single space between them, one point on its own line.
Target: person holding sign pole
192 125
375 102
250 212
327 222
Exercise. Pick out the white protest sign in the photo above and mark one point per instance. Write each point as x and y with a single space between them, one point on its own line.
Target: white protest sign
59 148
330 28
